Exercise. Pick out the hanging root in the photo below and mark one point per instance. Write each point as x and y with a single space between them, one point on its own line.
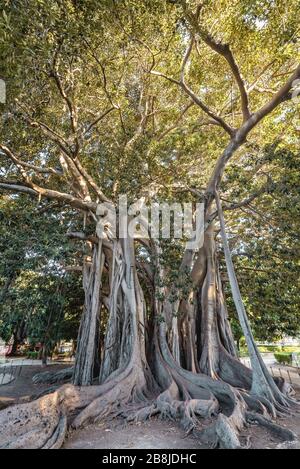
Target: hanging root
47 377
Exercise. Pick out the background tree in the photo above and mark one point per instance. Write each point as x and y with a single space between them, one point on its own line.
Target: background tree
39 298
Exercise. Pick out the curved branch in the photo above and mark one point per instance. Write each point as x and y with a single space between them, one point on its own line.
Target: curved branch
70 105
219 120
18 188
175 125
90 181
52 134
17 161
207 110
283 94
36 190
98 119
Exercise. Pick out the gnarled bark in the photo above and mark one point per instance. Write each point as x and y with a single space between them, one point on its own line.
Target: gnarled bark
184 368
87 343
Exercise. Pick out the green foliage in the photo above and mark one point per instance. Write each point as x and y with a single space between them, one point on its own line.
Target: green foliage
39 301
265 240
284 358
269 348
105 53
32 355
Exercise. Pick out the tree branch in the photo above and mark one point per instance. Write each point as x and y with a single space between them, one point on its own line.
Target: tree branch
71 107
175 125
208 111
240 136
98 119
18 188
35 190
91 181
197 101
50 133
223 50
17 161
186 59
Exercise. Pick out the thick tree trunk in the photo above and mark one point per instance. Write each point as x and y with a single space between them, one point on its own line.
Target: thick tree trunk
88 336
190 371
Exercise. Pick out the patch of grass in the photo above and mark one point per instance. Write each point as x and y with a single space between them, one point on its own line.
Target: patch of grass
285 358
32 355
278 348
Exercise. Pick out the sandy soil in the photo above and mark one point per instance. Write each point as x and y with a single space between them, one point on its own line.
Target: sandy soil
149 435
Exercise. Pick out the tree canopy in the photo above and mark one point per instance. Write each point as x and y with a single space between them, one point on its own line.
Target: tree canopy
77 68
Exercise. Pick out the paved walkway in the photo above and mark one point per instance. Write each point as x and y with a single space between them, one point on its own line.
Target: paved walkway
289 373
26 362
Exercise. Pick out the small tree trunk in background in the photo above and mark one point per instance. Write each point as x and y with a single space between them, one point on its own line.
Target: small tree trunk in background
14 344
44 355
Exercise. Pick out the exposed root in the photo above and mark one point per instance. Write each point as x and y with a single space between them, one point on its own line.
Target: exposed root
172 408
127 388
279 431
48 377
224 432
216 419
40 424
43 423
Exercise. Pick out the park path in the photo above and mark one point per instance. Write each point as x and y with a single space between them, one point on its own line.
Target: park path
290 374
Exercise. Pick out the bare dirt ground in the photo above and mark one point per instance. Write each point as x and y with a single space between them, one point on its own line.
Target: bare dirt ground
23 388
149 435
165 435
152 434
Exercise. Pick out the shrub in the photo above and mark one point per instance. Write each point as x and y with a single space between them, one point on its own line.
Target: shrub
269 348
32 355
284 358
291 349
